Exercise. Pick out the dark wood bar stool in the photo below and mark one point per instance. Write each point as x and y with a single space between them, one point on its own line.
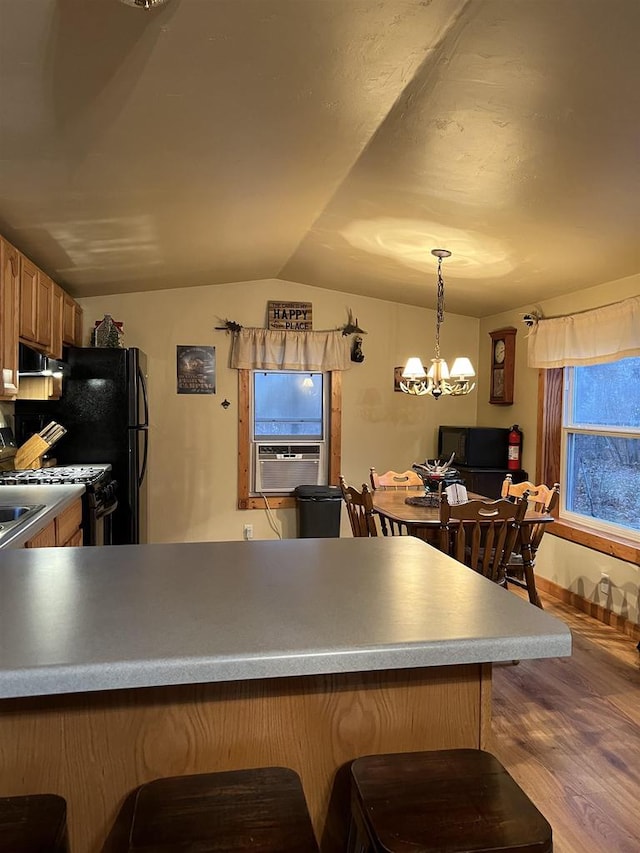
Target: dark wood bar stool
33 824
262 809
445 801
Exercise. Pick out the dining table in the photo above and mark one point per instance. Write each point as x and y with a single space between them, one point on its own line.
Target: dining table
399 509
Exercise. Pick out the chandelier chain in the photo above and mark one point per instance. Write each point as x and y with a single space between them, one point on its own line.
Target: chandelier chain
439 307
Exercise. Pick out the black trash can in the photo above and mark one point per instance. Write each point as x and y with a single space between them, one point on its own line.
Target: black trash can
318 511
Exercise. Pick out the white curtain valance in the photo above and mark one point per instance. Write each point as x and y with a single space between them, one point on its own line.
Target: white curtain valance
267 349
592 337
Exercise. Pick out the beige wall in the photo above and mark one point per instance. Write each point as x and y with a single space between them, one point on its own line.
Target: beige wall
193 440
571 566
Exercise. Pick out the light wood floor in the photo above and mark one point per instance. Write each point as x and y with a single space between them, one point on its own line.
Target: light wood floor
568 730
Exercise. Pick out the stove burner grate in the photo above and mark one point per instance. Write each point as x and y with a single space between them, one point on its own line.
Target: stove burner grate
83 474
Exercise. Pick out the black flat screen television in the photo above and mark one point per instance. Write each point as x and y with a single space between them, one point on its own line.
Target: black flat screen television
474 447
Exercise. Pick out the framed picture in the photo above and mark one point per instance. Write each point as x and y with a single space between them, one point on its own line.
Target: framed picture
196 370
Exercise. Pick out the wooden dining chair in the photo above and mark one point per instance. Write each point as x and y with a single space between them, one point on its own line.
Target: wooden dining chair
359 509
482 534
543 499
393 481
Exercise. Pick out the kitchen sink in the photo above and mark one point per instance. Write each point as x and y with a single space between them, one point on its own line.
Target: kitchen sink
14 516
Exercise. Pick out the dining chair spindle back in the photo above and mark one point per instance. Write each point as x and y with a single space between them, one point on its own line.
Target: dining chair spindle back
482 534
545 500
396 482
359 509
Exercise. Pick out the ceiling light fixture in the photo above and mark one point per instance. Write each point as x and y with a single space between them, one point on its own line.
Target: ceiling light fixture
144 4
438 381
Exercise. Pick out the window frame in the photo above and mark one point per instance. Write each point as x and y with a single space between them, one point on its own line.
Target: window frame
334 439
549 468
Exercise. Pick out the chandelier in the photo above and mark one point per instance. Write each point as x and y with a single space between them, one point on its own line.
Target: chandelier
439 380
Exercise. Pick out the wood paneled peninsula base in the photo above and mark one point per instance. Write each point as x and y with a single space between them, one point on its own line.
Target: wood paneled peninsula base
193 658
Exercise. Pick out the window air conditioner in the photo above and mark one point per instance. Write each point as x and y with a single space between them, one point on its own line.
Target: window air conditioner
282 467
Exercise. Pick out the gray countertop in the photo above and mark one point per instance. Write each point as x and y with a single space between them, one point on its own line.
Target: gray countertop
83 619
54 499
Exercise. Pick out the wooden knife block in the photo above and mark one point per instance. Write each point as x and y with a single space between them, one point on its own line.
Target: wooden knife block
29 455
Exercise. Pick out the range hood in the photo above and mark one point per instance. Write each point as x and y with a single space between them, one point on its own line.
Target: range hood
34 363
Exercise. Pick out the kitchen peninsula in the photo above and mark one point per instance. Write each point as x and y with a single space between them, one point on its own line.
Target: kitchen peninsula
123 664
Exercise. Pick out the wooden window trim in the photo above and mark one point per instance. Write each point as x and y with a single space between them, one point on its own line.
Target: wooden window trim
248 501
550 392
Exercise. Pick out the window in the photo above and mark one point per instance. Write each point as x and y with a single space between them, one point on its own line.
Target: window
288 405
601 446
285 414
288 431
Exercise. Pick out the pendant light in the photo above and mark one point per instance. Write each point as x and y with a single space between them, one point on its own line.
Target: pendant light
439 380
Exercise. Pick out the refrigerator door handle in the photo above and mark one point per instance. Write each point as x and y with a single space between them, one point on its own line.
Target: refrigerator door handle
143 385
143 470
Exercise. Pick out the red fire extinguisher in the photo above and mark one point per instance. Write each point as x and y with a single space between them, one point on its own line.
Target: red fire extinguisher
514 449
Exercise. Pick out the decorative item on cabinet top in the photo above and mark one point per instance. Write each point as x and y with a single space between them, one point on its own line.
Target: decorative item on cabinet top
108 333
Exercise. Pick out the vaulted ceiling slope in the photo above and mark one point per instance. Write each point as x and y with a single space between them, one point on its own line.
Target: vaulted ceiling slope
329 142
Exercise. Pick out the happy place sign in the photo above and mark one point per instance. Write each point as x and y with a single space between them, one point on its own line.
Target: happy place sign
290 316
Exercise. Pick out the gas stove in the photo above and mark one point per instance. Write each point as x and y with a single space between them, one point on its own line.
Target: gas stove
99 501
87 475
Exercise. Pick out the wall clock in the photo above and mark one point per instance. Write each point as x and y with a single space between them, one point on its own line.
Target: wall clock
503 358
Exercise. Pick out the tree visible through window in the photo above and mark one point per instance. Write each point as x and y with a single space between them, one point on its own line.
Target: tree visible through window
601 443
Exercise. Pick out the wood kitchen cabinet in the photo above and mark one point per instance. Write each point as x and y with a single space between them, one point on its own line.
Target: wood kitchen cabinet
57 310
44 303
28 328
36 302
48 318
9 319
34 310
46 538
64 531
71 322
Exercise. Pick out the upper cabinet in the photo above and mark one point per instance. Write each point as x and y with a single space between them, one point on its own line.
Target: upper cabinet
28 301
57 302
71 322
36 303
35 310
44 305
9 308
49 317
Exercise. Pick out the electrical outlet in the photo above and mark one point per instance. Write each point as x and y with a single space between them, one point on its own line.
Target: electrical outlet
604 582
247 531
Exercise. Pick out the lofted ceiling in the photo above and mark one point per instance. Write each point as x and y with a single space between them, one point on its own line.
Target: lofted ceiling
328 142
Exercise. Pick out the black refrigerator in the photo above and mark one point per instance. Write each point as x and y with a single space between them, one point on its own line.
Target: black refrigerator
104 408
